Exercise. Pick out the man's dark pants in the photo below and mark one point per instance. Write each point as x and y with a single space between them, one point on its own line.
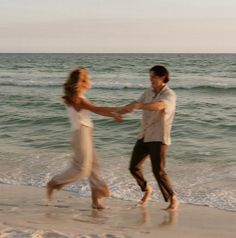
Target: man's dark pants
157 152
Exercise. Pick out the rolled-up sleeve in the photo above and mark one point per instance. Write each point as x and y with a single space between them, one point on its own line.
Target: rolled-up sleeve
169 98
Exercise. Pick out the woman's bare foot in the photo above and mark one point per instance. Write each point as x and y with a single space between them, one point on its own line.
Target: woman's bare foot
96 201
146 196
97 204
96 198
105 192
49 191
51 186
174 204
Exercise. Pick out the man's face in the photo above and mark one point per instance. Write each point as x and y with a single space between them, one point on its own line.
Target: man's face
156 81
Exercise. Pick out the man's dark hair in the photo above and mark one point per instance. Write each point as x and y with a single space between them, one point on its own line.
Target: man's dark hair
160 71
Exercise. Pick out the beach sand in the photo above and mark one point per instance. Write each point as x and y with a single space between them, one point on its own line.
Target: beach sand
24 213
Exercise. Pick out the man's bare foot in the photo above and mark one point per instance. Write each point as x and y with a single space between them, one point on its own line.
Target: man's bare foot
174 204
146 196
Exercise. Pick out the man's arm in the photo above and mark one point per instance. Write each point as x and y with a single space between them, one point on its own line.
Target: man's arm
155 106
166 102
127 108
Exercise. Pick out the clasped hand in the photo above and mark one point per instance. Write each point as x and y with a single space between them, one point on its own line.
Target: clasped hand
124 110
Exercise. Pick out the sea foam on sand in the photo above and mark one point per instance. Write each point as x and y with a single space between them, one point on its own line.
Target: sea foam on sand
24 213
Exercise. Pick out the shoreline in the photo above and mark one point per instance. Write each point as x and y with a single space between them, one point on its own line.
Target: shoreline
24 210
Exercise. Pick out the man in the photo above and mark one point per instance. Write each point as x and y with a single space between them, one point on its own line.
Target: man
158 104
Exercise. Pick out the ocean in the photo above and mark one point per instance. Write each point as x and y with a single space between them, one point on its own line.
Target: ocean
35 131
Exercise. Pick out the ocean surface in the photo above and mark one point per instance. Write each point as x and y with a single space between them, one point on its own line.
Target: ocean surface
35 131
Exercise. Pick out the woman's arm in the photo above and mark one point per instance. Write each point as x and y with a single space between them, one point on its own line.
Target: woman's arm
83 103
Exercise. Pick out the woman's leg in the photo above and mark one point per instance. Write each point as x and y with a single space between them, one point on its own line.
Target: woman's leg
98 186
81 164
97 183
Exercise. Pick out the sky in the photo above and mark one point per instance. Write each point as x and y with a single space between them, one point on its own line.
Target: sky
117 26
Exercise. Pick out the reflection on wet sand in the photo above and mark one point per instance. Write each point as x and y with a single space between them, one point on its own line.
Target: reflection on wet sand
169 218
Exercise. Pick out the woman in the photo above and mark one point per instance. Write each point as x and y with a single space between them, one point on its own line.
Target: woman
84 163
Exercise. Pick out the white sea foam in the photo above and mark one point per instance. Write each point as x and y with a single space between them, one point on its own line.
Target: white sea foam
22 233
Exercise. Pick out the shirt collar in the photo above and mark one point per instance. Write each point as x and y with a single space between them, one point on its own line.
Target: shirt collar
162 90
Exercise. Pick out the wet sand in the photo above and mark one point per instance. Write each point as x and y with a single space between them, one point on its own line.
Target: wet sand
24 213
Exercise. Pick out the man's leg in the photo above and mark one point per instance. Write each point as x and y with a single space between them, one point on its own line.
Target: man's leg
138 157
157 152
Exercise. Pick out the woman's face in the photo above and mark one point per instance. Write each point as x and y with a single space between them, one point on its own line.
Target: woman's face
84 83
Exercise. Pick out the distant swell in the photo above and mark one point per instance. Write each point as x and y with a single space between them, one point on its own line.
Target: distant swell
110 86
22 84
210 87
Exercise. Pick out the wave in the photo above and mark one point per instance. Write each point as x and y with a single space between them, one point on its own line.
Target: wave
118 86
206 87
30 84
110 86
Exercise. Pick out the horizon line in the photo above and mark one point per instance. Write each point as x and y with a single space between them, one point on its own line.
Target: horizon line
116 53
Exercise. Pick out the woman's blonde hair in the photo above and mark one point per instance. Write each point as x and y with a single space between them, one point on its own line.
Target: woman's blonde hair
71 86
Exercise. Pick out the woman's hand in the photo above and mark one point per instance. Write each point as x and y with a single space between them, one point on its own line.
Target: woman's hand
129 108
117 116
